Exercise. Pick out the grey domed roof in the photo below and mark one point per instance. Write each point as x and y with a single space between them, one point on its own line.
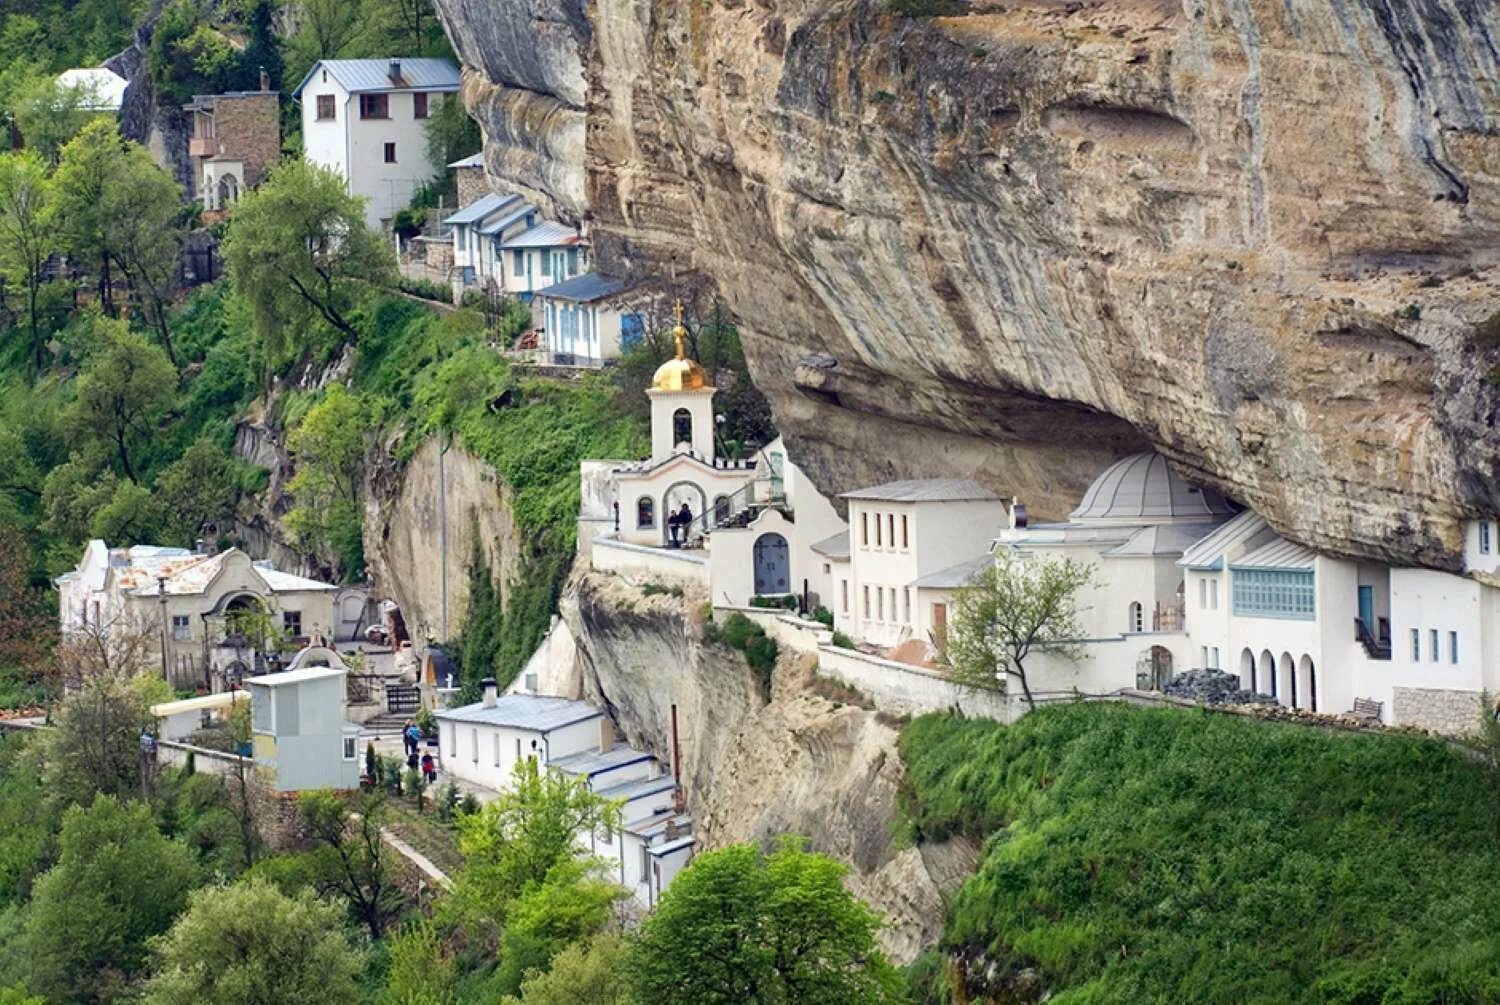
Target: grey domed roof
1144 488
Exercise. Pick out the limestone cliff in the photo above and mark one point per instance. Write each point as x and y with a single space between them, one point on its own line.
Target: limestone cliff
753 770
1259 235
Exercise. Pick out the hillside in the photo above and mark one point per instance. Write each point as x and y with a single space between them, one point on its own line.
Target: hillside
1157 855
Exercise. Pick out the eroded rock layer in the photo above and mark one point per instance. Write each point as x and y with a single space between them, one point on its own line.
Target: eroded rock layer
1259 235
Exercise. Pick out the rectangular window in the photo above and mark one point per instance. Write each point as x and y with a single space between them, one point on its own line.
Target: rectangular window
890 527
1213 594
864 530
374 106
497 750
390 153
325 108
1416 646
182 628
1432 637
827 568
879 603
1453 648
349 752
1203 594
1214 654
1484 538
518 262
518 750
419 111
877 530
291 623
547 266
474 745
905 537
906 605
1274 593
844 596
867 603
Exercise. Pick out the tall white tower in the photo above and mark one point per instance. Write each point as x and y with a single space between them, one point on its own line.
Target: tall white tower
682 404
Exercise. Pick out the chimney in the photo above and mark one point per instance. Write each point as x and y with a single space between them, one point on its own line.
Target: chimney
489 691
395 71
265 79
606 735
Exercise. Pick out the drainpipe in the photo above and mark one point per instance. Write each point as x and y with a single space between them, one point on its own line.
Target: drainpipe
161 590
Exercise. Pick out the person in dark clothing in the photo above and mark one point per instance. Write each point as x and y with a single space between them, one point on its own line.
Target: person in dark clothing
429 769
411 760
409 737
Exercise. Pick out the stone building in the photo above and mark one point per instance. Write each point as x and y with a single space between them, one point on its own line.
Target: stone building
235 140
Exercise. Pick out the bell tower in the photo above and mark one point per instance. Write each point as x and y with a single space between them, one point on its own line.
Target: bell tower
682 410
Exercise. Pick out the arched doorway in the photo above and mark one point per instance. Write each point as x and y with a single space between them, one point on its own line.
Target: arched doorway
682 428
1247 670
229 191
772 562
1153 668
721 510
1268 673
1286 680
672 502
1307 678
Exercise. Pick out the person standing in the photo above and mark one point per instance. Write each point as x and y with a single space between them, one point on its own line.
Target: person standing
429 769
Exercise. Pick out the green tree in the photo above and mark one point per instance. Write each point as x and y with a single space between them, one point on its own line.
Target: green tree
451 132
124 385
328 447
587 971
28 616
201 487
299 248
351 855
25 238
422 972
251 944
73 491
117 883
49 114
480 643
132 515
113 205
515 842
739 926
572 903
1014 608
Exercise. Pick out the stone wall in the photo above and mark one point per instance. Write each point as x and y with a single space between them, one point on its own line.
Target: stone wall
1452 713
899 689
472 184
249 131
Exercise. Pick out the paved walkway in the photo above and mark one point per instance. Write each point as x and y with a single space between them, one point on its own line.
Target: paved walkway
417 859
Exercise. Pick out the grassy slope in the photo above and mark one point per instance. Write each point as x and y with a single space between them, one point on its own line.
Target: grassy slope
1156 855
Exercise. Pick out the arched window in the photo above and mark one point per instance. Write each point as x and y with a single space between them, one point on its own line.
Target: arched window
645 512
1268 673
1247 670
1307 678
1286 681
1137 617
229 191
682 426
721 509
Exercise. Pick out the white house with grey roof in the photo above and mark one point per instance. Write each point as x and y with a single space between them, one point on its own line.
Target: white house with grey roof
299 733
483 742
585 319
366 119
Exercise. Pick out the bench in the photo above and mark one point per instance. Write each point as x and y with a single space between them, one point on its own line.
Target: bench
1367 709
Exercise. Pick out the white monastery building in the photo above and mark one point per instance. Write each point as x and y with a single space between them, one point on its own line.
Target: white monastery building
366 119
482 743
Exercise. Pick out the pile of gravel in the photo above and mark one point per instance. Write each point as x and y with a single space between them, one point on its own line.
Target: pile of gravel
1214 687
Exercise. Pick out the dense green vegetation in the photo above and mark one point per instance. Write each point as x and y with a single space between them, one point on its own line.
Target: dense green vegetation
1156 855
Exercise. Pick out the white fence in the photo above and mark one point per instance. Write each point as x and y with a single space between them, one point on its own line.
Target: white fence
171 753
785 627
638 561
901 689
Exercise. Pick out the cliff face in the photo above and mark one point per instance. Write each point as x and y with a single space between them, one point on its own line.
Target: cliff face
1258 235
754 770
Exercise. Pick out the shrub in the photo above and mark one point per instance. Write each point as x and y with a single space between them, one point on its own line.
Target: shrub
739 630
660 589
823 616
774 603
842 641
426 289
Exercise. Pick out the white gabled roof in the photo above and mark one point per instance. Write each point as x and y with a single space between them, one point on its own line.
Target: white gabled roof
533 712
367 76
1207 555
926 490
1277 554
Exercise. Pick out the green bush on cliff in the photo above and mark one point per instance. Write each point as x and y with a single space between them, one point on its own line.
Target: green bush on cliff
1162 855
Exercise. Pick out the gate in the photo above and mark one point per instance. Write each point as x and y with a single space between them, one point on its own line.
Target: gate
403 699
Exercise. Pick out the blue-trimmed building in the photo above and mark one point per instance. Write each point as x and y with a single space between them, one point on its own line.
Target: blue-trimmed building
586 320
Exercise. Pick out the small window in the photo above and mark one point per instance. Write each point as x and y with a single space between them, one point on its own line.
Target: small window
905 538
374 106
1432 637
497 749
1453 648
326 111
864 530
518 262
827 568
1137 617
1203 594
1213 594
1484 538
291 623
531 682
419 111
1214 655
390 153
1205 664
1416 646
906 605
890 527
879 603
474 745
349 751
867 603
182 628
645 513
877 530
844 596
547 266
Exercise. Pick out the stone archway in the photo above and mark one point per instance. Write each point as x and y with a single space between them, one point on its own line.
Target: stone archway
1268 674
1153 668
1307 680
1286 681
772 564
1247 670
671 505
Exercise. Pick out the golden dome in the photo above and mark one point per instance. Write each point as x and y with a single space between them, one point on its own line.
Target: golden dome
681 373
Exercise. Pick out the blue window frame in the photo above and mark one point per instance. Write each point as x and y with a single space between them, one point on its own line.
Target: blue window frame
1274 593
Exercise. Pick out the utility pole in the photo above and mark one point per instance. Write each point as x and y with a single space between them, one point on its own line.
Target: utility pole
443 530
161 594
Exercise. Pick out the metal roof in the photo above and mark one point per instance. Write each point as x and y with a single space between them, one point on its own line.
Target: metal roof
365 76
1207 555
471 161
954 576
638 789
481 208
926 490
499 225
533 712
296 676
1158 540
668 847
836 546
585 289
547 234
1144 486
1278 554
595 762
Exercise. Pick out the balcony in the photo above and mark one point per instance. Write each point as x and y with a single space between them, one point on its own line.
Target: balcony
203 146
